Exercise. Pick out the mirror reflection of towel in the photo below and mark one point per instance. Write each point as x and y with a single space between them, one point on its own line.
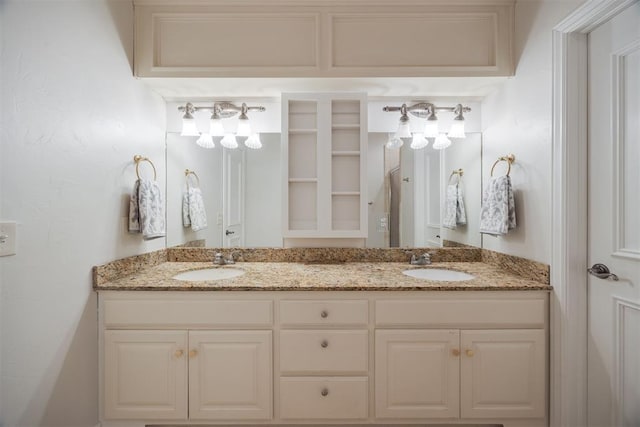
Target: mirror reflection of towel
146 210
193 213
498 213
455 213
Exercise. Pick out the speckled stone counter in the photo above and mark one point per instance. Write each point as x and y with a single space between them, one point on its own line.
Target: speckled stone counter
354 276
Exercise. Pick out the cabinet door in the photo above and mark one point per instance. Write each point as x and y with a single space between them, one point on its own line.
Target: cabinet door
503 373
230 375
417 373
145 375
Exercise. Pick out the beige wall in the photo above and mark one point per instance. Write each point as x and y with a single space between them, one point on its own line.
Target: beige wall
72 119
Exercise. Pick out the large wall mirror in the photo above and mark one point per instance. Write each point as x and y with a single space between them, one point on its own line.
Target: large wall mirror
242 189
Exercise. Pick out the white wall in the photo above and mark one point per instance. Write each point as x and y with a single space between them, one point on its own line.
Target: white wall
72 119
517 119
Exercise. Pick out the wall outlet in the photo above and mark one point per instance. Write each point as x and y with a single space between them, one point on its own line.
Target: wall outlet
7 238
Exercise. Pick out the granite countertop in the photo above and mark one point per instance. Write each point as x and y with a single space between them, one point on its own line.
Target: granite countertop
353 276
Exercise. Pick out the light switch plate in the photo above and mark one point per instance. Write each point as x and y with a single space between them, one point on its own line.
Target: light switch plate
7 238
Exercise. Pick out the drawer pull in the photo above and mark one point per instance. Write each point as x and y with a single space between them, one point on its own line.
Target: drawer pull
324 314
324 344
179 353
455 352
469 353
193 353
324 392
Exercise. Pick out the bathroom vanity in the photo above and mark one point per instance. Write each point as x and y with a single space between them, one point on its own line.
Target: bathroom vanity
358 343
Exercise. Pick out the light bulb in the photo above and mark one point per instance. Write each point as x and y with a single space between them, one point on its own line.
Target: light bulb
244 126
404 128
457 129
253 142
215 127
189 127
394 142
419 141
431 128
441 142
205 141
229 141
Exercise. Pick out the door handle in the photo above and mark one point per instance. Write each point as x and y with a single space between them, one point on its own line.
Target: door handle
601 271
229 232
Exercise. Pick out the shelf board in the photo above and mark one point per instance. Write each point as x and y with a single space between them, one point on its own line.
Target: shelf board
312 180
345 153
293 131
345 193
346 126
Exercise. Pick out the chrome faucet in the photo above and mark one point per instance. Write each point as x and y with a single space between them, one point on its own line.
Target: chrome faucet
424 259
219 259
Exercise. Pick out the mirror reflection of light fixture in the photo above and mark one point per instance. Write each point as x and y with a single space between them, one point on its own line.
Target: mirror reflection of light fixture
229 141
205 141
419 141
219 111
426 110
189 127
253 141
441 142
394 142
457 126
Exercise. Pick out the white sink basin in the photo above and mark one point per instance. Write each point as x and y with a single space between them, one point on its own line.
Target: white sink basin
438 274
209 274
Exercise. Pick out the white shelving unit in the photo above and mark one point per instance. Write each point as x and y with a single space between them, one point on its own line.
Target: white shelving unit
324 147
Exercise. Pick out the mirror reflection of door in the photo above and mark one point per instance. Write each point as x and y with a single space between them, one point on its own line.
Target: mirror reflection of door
233 189
407 196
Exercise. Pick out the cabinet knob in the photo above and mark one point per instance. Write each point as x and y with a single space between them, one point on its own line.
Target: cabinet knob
469 353
324 314
193 353
324 392
179 353
455 352
324 344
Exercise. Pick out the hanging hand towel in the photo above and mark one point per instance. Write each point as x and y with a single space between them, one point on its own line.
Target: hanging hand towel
455 213
498 213
146 210
193 213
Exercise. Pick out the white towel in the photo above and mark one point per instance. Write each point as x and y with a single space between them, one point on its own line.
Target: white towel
498 213
455 213
193 213
146 210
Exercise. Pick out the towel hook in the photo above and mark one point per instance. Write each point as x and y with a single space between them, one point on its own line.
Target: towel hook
458 172
509 159
188 172
137 159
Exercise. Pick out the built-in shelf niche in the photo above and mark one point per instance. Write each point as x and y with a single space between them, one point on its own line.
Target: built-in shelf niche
324 146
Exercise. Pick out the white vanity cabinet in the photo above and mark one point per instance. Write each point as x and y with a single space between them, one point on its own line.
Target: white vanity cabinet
324 148
323 357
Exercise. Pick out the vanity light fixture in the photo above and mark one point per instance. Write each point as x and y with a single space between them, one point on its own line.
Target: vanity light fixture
426 110
219 111
394 142
253 142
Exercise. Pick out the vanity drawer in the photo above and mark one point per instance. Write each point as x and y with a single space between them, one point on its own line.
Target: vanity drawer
324 313
517 313
324 398
327 352
187 313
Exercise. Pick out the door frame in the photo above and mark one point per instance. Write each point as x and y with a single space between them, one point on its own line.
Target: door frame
568 364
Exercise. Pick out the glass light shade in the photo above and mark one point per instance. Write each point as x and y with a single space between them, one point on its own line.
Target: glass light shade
457 129
394 142
419 141
216 128
205 141
189 127
253 142
441 142
244 127
404 129
229 141
431 128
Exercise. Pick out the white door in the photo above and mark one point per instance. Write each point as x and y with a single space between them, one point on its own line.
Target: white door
233 189
407 196
614 221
